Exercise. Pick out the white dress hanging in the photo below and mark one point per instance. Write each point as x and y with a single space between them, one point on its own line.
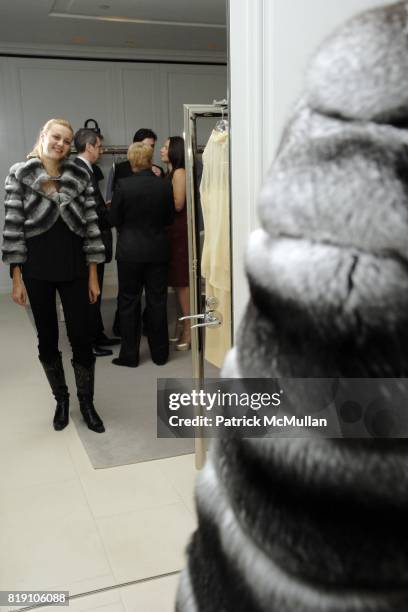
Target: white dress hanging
215 260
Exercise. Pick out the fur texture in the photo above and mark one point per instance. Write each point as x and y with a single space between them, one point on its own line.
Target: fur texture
307 525
29 211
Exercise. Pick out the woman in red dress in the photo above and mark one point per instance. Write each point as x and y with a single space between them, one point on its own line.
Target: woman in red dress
172 154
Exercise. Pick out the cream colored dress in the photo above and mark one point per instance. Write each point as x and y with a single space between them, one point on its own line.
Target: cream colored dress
215 259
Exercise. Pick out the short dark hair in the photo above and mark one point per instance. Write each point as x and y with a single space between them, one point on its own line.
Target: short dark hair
144 133
176 153
85 136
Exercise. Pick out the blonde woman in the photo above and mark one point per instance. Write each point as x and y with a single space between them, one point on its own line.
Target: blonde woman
53 244
142 206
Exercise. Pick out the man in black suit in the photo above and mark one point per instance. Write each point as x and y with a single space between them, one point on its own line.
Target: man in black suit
88 144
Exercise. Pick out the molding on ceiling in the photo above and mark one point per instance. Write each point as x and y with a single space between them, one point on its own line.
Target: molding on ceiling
123 19
114 53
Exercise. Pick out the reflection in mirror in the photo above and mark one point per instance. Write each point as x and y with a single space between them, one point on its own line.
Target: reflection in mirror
100 508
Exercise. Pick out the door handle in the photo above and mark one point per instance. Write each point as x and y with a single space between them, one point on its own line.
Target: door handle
211 319
196 316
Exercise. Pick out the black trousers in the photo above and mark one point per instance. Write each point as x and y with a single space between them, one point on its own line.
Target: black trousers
133 278
75 302
95 315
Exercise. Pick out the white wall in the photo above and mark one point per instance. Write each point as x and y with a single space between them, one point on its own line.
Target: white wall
271 42
121 96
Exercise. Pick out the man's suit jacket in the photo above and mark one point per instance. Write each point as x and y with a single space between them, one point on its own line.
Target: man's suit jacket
124 170
101 210
142 207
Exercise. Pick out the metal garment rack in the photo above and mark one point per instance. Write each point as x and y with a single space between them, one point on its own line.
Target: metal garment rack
192 114
109 150
115 150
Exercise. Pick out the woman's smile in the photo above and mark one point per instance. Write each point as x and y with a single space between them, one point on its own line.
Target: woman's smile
57 141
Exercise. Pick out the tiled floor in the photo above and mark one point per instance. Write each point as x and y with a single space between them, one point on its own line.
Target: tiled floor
64 525
155 595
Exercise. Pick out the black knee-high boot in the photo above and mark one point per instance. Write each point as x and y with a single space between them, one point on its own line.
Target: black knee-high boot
55 374
85 380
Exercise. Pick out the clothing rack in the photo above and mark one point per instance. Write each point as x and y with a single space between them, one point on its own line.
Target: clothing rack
115 150
192 114
220 103
109 150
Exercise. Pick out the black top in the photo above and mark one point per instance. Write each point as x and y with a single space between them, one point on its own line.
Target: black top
142 206
55 255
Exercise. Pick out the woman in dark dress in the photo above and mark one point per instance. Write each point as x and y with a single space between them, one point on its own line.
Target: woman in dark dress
172 154
142 207
52 243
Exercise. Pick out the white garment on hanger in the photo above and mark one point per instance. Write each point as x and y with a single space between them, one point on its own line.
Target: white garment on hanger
215 260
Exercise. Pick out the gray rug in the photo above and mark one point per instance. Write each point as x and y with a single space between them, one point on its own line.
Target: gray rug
126 400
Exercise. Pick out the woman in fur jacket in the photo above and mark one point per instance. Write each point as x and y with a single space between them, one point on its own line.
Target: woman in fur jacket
321 525
53 244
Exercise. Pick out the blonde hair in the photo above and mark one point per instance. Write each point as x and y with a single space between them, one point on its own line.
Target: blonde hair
38 150
140 155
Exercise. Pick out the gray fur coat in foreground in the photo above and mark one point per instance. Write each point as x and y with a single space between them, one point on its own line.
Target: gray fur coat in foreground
30 212
308 525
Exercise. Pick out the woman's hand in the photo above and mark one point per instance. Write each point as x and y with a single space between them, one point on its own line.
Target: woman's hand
19 293
93 289
93 284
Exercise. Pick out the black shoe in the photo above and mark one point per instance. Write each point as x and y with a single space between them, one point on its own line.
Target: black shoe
160 362
61 416
123 362
56 377
160 354
103 340
98 351
85 380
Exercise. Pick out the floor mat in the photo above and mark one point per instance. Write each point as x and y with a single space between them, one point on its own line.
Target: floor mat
125 398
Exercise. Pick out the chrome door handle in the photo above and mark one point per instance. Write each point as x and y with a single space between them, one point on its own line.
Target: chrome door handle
196 316
211 319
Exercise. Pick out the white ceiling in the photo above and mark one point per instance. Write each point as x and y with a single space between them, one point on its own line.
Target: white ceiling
179 25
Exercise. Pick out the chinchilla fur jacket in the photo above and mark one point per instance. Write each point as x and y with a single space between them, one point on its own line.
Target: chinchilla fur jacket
30 211
308 525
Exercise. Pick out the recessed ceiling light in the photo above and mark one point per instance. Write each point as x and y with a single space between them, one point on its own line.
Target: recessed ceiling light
105 7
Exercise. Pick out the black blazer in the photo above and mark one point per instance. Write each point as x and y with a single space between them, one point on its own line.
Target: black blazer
142 206
124 170
101 210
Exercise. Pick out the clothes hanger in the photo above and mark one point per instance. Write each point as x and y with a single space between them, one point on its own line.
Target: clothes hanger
222 124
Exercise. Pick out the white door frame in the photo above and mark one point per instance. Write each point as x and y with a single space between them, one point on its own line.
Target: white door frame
251 106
